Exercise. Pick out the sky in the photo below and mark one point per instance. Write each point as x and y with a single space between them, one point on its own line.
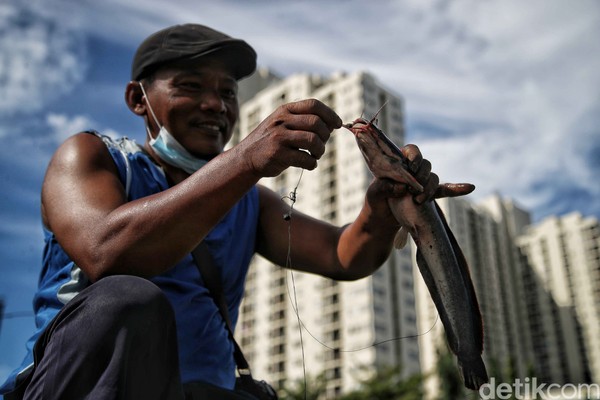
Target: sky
502 94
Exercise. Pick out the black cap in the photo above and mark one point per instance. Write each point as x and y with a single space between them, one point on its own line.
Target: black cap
189 42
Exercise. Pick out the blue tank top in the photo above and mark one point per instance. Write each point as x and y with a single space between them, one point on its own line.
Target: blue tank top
205 350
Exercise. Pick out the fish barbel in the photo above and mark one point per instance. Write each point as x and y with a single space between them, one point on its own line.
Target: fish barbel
439 257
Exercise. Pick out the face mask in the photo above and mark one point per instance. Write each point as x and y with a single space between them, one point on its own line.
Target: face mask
169 149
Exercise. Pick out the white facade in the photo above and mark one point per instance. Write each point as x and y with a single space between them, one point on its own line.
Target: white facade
564 257
489 251
341 320
538 286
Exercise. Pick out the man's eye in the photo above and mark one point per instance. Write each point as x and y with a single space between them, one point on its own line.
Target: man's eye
229 94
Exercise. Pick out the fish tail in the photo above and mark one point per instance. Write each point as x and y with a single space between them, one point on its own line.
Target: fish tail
473 372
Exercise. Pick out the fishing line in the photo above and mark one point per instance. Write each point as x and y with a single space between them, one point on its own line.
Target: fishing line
292 197
416 335
288 264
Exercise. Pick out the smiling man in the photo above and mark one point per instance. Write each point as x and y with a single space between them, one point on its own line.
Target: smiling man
122 309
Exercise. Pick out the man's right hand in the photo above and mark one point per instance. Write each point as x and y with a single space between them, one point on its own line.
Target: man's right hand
294 135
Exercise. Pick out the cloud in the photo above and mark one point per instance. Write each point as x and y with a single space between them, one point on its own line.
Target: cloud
63 126
547 173
508 117
502 83
499 87
41 58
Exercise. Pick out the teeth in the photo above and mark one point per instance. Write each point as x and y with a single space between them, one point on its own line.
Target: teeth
211 127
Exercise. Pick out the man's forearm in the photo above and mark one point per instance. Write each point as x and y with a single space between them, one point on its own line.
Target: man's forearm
365 244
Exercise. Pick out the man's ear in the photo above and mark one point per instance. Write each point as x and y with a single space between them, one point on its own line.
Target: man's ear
135 98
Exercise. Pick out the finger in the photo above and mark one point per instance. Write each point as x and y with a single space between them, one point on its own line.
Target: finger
428 190
309 123
380 191
422 174
299 158
388 188
314 106
414 156
302 140
453 189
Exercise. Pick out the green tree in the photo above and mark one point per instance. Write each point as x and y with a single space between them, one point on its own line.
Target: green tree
388 384
495 369
510 370
531 370
312 389
451 383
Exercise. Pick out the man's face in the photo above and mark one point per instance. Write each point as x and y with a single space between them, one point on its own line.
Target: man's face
197 103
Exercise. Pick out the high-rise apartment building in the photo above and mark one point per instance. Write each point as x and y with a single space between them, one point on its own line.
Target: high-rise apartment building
504 222
486 236
538 286
564 296
340 320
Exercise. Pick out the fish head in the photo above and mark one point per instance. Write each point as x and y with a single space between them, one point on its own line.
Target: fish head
384 159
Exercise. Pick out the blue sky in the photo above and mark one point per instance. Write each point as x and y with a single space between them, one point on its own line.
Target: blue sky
504 94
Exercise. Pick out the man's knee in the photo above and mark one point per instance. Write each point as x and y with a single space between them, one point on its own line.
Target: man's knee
126 297
108 333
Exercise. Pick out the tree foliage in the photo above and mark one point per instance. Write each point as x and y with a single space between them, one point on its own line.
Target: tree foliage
312 389
385 384
388 384
451 384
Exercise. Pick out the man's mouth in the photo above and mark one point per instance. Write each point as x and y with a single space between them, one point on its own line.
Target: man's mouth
214 127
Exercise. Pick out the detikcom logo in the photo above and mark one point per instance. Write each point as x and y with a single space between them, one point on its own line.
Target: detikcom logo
530 389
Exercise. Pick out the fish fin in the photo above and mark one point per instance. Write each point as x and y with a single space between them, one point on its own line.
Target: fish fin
401 238
464 269
473 372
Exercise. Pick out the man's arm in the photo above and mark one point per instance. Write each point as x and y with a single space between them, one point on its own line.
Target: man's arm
84 204
355 250
342 253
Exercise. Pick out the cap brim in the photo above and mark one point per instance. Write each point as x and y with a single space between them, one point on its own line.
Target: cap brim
235 55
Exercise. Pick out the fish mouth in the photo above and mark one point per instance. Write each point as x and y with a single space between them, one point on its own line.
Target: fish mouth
362 128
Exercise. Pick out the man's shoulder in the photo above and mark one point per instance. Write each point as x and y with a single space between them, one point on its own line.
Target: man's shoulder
123 144
93 149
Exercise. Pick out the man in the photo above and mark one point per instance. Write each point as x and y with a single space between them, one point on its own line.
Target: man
122 310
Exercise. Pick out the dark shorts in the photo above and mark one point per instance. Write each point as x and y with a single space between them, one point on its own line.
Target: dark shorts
115 340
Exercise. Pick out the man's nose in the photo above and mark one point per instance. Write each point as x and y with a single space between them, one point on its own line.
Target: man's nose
212 100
